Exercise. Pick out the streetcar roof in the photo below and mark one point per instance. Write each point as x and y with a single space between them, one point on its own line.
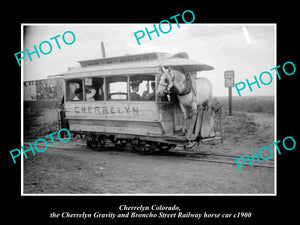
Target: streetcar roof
134 64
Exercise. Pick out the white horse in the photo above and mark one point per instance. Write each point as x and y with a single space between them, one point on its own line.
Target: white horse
191 92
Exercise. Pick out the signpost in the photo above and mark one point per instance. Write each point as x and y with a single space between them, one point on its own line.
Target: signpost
229 82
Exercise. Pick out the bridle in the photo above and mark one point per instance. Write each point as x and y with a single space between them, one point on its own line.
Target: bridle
188 86
169 83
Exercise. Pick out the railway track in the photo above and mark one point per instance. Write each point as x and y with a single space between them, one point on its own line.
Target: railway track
176 153
214 158
205 157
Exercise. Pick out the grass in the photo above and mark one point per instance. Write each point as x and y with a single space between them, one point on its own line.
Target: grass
256 104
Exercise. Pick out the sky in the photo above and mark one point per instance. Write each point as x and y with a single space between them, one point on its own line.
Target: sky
248 49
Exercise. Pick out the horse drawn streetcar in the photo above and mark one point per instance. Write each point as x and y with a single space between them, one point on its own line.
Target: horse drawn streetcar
124 99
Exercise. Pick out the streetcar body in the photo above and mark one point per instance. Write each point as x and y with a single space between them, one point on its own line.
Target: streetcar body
102 101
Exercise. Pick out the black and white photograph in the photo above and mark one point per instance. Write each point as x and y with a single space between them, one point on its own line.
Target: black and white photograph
159 117
132 114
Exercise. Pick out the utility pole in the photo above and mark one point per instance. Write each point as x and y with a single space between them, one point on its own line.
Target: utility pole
230 100
229 82
103 50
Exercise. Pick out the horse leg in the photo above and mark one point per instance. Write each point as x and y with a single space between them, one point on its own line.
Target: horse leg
190 134
183 110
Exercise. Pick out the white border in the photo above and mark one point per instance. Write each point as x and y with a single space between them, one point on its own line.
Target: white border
141 194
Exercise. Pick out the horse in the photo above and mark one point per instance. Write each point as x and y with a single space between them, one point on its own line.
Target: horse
190 92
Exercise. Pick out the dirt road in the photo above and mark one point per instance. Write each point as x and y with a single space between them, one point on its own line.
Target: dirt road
73 168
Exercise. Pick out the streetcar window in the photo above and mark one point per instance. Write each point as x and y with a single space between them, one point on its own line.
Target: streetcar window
94 89
117 88
142 87
74 90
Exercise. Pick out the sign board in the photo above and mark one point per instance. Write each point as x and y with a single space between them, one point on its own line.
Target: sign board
229 74
229 83
229 78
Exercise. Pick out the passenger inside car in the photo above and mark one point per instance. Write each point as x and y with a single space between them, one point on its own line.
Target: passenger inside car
134 96
149 96
78 95
90 92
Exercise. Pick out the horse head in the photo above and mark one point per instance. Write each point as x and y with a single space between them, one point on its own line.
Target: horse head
166 81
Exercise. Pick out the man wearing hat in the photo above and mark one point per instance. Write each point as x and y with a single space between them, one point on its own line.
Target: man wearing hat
134 96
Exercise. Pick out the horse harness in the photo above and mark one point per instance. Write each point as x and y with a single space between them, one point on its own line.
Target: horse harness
187 86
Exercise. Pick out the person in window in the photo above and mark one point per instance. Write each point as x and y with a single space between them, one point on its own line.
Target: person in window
149 96
100 94
90 92
134 96
78 94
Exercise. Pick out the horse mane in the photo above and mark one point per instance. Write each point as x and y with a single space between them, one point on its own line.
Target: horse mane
188 82
176 71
